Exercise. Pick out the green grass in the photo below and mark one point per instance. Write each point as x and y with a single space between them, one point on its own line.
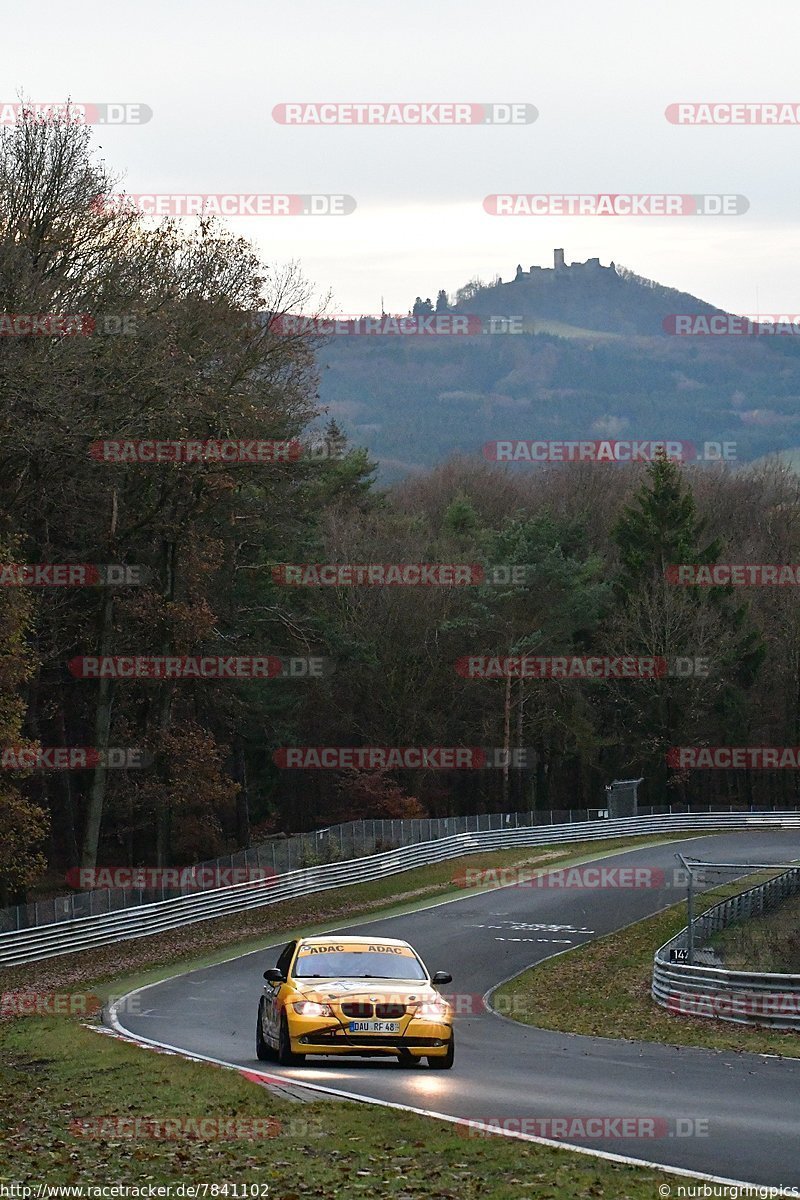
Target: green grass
603 989
766 943
564 330
59 1072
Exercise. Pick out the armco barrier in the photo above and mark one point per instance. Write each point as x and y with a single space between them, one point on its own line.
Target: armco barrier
745 997
67 937
279 855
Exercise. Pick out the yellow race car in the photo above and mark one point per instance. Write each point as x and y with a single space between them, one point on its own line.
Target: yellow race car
354 995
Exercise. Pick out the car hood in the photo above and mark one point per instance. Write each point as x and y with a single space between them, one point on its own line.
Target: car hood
366 989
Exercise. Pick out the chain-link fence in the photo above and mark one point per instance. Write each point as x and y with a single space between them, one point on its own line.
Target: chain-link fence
693 982
755 902
337 843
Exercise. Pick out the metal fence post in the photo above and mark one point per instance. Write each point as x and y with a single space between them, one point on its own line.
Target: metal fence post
690 919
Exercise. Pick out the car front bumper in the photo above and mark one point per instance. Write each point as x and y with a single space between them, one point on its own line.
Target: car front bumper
416 1037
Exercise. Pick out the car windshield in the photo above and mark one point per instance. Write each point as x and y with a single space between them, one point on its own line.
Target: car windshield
357 964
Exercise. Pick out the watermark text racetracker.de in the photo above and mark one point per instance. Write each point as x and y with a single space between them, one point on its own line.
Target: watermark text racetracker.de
730 325
115 1128
733 574
199 666
738 758
729 1005
589 877
105 112
399 325
49 574
229 204
617 204
402 758
587 1128
230 451
73 758
402 574
57 325
606 450
595 666
202 878
411 112
736 112
34 1003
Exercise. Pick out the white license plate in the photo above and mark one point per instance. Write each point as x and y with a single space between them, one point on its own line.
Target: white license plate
374 1027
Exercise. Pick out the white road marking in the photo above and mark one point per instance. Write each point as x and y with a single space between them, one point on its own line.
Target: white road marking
550 941
535 927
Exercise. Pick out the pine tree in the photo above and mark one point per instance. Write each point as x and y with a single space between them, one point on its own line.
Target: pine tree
659 528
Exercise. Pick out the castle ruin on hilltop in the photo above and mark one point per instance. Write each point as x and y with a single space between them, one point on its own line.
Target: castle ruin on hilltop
559 267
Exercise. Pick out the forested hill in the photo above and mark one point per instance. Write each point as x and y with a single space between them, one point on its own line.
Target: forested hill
593 360
584 296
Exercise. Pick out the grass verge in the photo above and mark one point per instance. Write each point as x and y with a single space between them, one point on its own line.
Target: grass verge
603 989
766 943
62 1075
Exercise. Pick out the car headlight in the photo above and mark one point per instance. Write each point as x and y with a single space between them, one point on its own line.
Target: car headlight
310 1008
434 1010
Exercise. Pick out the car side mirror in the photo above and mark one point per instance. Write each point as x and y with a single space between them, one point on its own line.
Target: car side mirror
273 975
442 977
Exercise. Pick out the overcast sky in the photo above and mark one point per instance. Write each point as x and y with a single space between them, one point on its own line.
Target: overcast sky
600 76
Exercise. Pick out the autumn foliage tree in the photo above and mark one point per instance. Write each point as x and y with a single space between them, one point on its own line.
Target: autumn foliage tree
363 795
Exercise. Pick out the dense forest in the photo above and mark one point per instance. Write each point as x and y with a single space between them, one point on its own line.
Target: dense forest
210 540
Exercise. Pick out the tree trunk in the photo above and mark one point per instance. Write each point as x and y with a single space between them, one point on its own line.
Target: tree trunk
242 798
69 798
164 814
521 775
506 742
102 719
102 731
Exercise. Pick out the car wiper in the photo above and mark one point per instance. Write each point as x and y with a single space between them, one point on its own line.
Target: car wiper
395 977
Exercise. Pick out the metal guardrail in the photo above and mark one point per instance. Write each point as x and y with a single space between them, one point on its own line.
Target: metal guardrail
745 997
279 855
67 937
276 856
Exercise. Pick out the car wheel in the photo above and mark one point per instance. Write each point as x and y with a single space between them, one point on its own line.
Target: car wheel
446 1061
285 1056
264 1051
408 1060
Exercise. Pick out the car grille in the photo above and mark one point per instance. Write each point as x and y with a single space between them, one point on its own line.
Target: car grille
390 1012
365 1008
358 1008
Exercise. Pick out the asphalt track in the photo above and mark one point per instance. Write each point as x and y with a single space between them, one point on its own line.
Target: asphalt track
508 1072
